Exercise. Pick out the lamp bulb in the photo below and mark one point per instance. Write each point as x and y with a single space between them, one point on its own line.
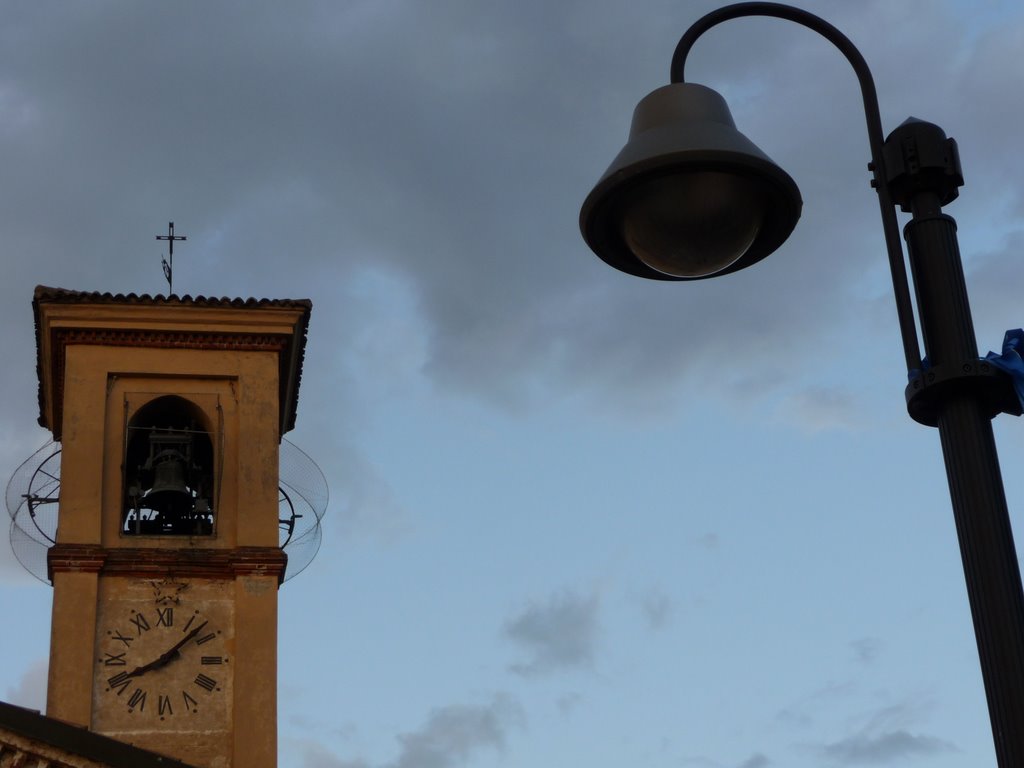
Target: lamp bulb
694 224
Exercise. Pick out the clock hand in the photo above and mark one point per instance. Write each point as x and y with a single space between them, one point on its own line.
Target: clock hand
177 646
166 657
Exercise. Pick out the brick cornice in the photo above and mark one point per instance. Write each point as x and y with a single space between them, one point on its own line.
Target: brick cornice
145 562
80 558
126 337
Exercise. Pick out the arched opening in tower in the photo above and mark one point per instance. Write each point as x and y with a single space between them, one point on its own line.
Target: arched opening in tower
168 470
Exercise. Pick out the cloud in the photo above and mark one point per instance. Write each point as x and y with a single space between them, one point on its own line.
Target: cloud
821 408
885 736
704 762
803 712
657 609
557 634
994 275
30 690
453 734
757 760
708 541
568 703
317 756
871 749
794 717
465 183
866 649
363 502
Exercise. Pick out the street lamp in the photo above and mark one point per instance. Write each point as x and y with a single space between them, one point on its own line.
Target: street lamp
689 197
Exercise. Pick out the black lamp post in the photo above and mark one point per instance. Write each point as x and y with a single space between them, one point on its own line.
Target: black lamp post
689 197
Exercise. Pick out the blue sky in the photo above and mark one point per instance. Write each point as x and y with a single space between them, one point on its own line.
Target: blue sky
576 517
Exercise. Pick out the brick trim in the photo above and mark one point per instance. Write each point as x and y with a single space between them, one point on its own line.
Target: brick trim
144 562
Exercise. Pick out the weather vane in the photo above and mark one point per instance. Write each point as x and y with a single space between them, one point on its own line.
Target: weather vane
168 263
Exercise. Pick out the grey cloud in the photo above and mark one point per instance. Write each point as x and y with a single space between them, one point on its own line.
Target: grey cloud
708 541
885 736
657 609
994 274
866 649
453 734
456 158
316 756
802 712
794 717
704 762
820 408
363 503
418 189
558 634
568 703
989 144
757 760
873 749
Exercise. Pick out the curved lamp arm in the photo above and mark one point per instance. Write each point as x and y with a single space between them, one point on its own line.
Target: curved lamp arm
897 264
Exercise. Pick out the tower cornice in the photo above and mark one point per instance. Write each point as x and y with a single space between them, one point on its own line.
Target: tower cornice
64 317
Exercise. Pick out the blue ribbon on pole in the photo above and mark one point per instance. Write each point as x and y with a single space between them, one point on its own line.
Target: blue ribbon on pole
1010 361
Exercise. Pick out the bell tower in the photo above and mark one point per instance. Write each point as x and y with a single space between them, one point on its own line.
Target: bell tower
166 565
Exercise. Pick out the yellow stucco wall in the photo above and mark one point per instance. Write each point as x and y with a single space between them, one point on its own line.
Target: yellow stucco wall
238 392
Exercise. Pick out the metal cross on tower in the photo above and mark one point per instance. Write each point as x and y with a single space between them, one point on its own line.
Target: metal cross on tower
168 263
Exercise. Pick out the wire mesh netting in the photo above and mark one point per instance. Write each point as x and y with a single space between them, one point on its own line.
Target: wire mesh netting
33 502
302 504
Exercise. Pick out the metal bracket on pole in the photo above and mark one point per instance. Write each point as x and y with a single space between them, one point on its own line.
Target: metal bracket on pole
929 389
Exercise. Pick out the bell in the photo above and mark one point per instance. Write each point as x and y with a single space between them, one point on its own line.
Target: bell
169 494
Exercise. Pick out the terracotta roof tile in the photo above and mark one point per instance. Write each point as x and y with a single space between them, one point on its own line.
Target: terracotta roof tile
66 296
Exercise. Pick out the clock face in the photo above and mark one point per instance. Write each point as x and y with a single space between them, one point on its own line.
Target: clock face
162 662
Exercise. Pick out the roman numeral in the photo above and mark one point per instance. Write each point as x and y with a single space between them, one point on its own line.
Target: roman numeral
138 699
206 683
212 660
189 623
116 634
205 638
114 659
164 705
164 617
140 623
190 703
119 681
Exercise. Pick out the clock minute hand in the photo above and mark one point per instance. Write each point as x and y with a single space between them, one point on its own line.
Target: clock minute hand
177 646
167 655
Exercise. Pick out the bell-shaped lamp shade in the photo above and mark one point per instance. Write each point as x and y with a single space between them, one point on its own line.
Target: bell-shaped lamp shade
689 196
